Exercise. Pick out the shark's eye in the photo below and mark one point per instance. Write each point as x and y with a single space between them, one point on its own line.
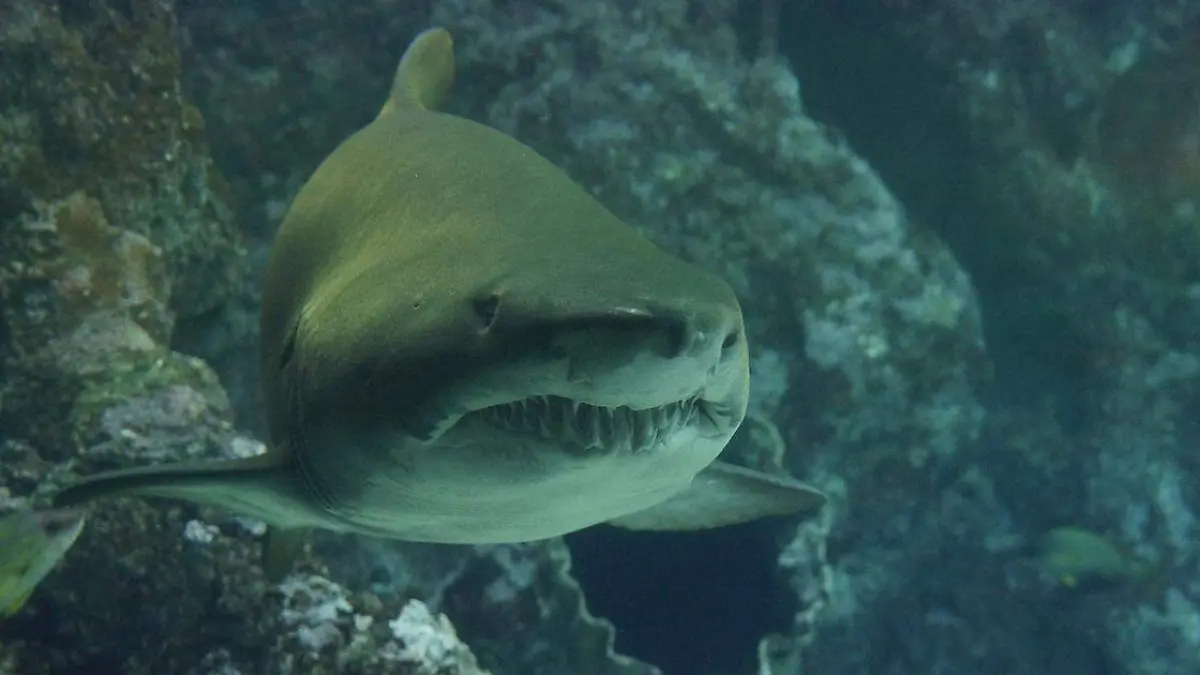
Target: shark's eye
730 340
486 308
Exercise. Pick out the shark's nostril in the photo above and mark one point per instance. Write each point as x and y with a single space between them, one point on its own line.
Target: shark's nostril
679 338
697 336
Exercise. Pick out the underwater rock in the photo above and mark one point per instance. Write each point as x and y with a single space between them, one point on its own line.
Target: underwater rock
1105 226
1083 131
112 226
1052 146
330 632
519 604
525 610
109 202
97 107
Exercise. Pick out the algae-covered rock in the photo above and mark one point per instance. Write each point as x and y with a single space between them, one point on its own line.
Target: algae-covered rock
100 109
111 227
106 202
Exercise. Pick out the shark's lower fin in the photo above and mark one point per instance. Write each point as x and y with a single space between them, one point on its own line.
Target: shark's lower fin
261 487
724 494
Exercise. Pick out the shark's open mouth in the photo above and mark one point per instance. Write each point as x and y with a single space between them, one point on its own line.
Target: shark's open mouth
595 427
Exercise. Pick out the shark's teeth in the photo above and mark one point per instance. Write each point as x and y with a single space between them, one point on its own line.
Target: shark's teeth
593 427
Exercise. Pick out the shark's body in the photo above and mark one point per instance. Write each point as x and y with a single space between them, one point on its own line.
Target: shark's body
460 345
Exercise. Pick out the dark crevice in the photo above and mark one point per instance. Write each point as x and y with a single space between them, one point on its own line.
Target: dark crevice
897 110
689 603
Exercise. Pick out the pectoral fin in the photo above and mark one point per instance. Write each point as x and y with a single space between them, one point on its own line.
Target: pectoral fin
17 603
261 487
724 494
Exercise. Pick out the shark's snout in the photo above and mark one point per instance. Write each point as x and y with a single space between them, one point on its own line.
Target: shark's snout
699 319
707 337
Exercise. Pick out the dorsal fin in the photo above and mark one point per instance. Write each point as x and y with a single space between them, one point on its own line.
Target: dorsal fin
425 74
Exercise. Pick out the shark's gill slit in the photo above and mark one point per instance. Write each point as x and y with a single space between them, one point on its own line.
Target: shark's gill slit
289 348
308 478
596 427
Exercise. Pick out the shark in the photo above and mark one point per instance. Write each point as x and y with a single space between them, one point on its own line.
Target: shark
459 344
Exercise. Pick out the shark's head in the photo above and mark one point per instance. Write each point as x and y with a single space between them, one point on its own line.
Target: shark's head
511 378
596 343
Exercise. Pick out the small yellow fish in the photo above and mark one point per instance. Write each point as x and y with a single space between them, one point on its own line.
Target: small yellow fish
31 544
1074 556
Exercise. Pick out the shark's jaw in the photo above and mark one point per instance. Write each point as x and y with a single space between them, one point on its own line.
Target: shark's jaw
526 469
593 429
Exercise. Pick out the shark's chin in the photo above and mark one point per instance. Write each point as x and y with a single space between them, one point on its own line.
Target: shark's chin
596 429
